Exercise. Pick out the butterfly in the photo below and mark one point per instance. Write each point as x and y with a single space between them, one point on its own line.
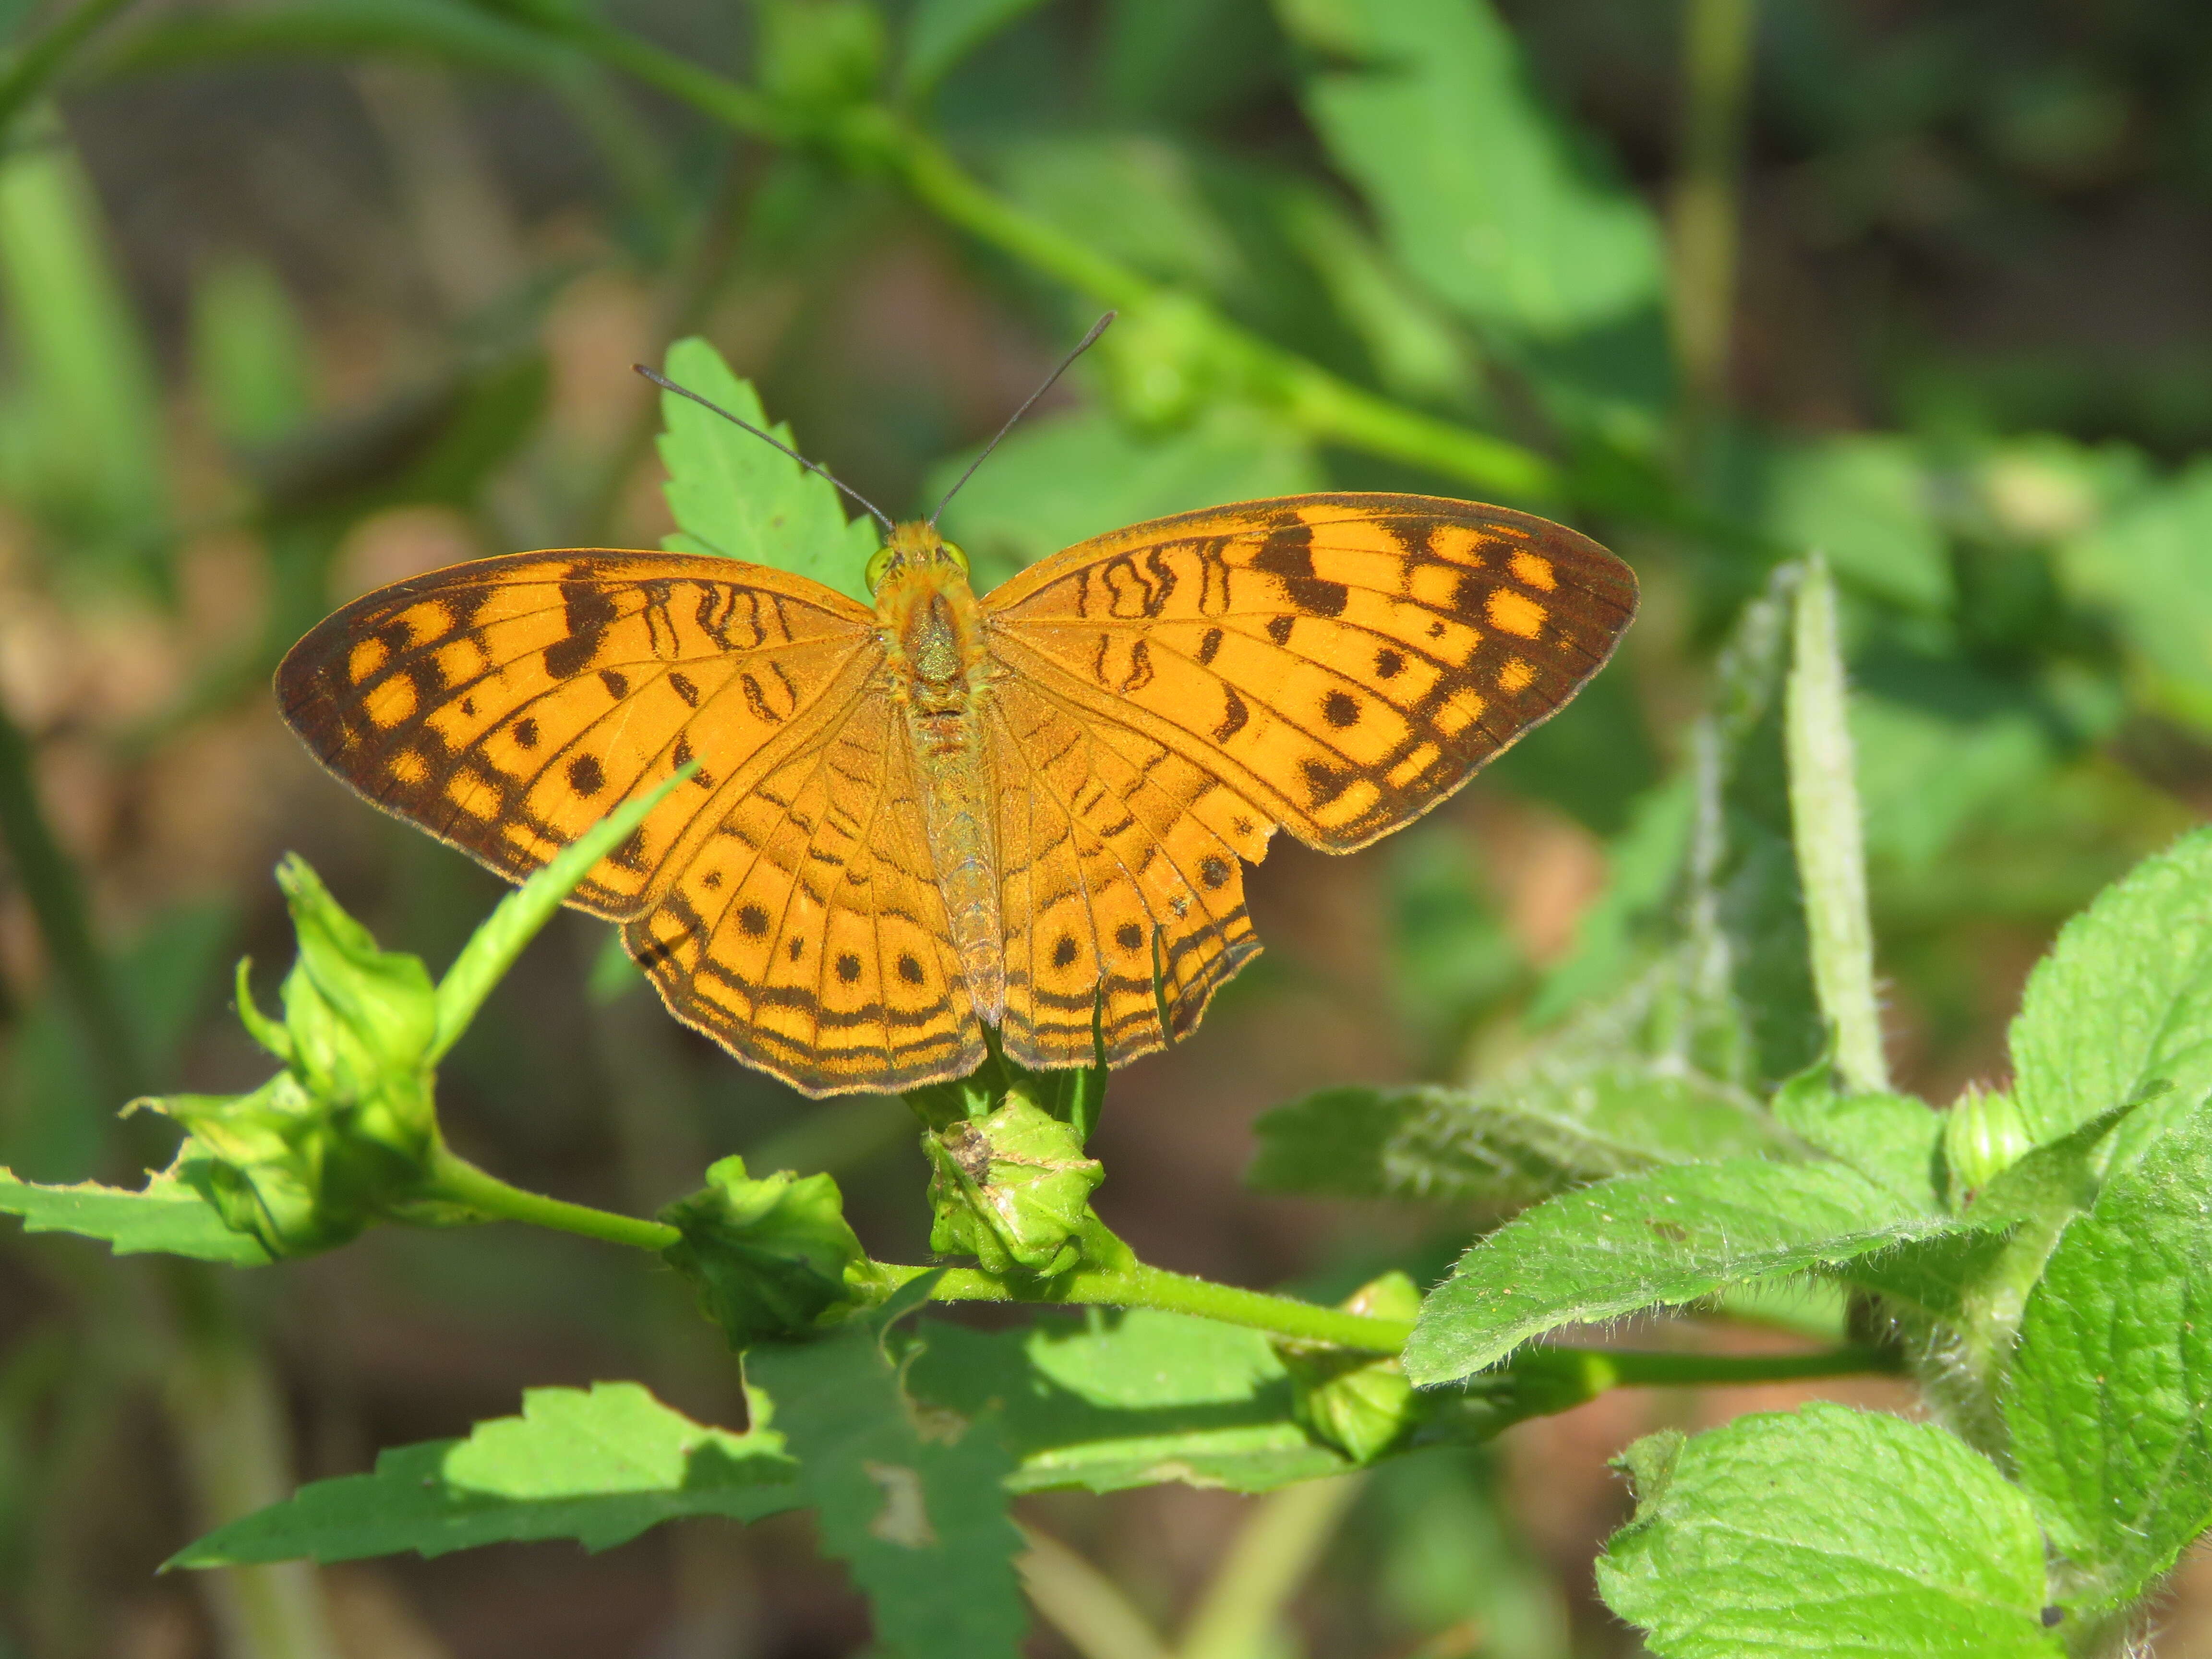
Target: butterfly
1030 811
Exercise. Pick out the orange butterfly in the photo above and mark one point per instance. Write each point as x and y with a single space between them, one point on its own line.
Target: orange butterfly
1030 810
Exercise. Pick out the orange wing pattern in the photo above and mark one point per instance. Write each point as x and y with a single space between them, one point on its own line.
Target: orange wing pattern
1342 662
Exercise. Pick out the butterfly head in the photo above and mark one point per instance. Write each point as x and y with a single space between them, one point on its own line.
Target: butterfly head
913 549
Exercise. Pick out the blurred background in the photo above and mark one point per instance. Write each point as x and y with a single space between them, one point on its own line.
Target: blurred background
298 300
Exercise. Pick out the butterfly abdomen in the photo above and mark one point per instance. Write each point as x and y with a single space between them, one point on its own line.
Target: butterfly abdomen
941 679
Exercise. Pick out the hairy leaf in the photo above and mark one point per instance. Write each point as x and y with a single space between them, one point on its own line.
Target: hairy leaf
1656 1239
2111 1383
1510 1141
2123 1002
1831 1531
1893 1140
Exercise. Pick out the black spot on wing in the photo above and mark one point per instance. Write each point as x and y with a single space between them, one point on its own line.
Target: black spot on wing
1287 556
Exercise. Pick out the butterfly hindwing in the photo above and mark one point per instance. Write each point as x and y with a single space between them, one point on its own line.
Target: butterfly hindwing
1122 886
804 932
1342 662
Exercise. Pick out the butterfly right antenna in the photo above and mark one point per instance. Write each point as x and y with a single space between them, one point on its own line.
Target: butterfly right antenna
1081 346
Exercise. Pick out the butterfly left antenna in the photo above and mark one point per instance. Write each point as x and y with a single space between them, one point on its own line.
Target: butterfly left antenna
668 385
1050 380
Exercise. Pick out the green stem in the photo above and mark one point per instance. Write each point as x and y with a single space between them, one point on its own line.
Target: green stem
1267 1561
1120 1280
1716 77
1632 1368
714 95
35 65
457 1181
1082 1604
1328 409
1124 1282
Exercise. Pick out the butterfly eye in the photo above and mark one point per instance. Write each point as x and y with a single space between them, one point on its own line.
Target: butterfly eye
958 555
878 564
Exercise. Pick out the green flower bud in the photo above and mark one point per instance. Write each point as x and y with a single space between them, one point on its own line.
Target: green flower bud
360 1020
345 1132
1359 1403
1009 1188
1983 1135
772 1257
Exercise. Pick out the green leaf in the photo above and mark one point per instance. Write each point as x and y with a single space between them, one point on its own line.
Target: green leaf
912 1500
1831 1532
168 1215
1697 954
2123 1000
1656 1239
738 497
941 32
1417 353
2146 568
1745 916
1106 1401
1520 1138
1483 192
1894 1140
1983 1276
1055 482
1825 826
597 1465
2111 1385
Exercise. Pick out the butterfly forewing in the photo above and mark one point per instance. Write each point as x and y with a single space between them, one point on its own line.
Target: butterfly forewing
1340 662
508 704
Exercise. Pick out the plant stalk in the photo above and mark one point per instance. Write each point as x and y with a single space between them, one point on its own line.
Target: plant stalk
37 64
454 1180
1824 811
1269 1558
1716 39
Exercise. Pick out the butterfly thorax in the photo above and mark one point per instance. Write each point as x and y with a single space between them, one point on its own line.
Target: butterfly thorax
932 631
